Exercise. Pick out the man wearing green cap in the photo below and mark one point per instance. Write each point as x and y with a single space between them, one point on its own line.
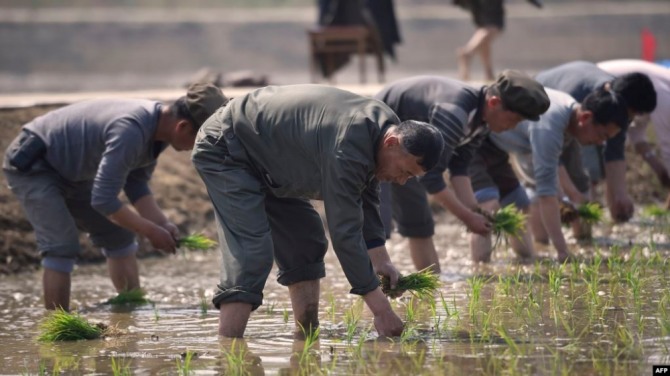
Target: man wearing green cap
68 167
464 115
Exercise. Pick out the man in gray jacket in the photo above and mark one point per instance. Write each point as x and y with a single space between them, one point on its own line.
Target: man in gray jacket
265 154
68 167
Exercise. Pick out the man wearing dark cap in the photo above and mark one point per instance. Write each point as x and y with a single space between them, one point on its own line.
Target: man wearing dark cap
68 167
539 144
265 155
464 115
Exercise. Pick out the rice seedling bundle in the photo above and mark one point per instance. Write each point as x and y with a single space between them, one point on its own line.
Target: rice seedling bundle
196 242
508 221
422 284
590 212
135 296
65 326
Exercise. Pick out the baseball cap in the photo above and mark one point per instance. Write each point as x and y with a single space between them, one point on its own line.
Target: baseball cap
202 100
521 94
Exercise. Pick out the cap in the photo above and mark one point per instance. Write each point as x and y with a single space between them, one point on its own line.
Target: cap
521 94
202 100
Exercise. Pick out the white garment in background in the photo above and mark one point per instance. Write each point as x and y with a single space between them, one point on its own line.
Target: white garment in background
660 117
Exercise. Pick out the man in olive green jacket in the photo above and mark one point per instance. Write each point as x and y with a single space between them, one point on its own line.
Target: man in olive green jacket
264 155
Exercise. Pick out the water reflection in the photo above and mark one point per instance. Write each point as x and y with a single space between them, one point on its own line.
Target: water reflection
609 313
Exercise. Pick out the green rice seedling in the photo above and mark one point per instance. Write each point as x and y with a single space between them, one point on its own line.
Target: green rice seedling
476 284
656 212
184 363
511 343
196 242
156 314
351 319
204 305
311 338
590 212
418 360
332 308
134 296
236 359
450 312
361 341
120 367
508 221
421 284
505 285
410 311
65 326
664 313
285 315
555 279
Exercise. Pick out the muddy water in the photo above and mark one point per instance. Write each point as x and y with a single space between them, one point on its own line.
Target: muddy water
513 328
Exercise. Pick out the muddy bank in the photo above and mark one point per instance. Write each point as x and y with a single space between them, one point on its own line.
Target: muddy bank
180 193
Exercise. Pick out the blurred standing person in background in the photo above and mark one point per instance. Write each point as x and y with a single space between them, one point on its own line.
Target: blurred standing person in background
489 18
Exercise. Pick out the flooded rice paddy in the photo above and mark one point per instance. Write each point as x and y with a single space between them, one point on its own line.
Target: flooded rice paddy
608 313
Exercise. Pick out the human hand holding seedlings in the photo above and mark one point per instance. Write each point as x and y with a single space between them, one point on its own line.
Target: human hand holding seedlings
387 322
507 221
171 228
421 284
381 262
478 223
161 238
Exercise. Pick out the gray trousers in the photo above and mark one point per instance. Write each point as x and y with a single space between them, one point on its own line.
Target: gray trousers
255 228
58 209
408 206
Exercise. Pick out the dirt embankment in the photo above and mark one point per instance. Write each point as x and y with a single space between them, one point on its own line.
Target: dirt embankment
176 185
180 192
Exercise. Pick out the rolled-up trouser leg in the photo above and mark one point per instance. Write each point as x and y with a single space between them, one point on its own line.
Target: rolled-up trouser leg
243 226
41 194
299 239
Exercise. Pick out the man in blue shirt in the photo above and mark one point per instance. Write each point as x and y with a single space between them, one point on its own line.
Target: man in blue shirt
579 79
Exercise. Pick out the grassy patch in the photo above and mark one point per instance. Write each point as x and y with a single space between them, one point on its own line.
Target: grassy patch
65 326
